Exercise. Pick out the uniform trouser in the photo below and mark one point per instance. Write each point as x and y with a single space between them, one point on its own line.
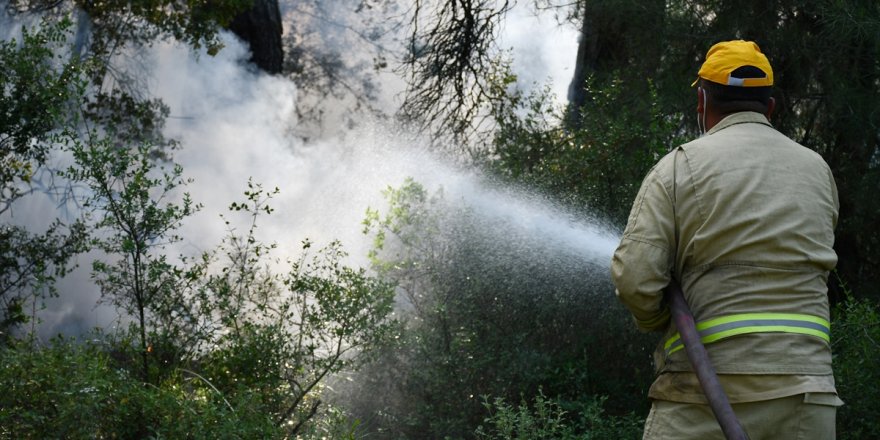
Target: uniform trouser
809 416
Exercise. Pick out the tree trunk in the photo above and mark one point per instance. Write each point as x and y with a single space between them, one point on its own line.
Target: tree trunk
619 38
260 27
585 65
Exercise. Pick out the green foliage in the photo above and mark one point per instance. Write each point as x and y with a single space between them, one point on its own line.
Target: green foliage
334 424
73 389
410 219
226 348
37 88
593 164
856 347
201 321
285 334
127 120
318 319
134 222
29 266
114 24
42 87
545 419
116 103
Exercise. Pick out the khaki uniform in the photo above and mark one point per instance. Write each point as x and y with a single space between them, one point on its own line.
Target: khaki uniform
744 218
808 416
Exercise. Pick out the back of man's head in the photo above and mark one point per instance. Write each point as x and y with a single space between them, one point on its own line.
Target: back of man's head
736 76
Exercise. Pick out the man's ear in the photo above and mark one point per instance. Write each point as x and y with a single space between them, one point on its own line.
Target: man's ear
771 106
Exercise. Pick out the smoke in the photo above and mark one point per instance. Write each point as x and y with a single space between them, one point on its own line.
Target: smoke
543 51
235 123
11 27
342 57
339 52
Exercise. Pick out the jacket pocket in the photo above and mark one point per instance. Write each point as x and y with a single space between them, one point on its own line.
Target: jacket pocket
825 399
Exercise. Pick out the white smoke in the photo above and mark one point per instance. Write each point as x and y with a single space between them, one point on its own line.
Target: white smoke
543 50
236 123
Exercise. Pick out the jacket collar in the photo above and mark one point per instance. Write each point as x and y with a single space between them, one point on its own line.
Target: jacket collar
740 118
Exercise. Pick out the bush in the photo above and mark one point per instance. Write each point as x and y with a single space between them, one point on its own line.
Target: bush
72 389
225 348
856 347
546 419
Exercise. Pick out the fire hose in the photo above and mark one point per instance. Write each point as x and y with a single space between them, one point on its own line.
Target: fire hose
699 358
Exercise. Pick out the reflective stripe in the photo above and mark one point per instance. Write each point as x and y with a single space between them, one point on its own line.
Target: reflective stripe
725 326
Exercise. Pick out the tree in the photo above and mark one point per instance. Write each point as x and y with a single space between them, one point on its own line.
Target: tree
613 42
113 25
285 334
135 222
260 26
226 317
108 31
450 62
192 320
37 89
856 344
337 52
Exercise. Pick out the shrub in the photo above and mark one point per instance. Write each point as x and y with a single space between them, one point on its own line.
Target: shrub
546 419
856 347
72 389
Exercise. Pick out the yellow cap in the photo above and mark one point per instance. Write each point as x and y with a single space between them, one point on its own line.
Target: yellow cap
725 57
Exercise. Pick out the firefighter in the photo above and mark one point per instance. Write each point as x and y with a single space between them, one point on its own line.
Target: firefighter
743 217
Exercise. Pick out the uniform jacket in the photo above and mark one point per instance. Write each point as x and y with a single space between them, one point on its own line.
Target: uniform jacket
744 218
